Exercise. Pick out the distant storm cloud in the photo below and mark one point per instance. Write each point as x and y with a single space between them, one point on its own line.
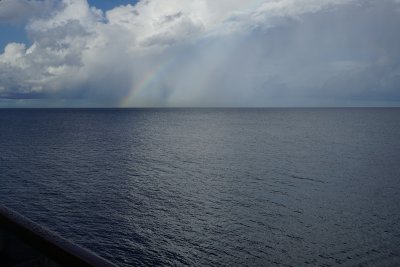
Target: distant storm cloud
205 53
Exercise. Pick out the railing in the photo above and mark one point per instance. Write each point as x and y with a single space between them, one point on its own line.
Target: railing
25 243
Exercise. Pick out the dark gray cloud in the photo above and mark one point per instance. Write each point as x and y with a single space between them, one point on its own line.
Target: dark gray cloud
17 11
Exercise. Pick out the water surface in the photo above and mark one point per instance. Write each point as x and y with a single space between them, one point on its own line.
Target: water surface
210 186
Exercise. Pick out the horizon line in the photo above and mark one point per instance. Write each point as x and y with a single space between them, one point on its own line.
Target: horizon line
227 107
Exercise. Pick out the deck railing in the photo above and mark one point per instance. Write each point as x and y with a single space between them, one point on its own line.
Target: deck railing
25 243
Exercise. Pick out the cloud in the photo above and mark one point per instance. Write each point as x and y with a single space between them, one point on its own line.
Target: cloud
16 11
207 53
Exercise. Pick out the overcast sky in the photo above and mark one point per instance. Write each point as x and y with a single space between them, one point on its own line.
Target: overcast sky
255 53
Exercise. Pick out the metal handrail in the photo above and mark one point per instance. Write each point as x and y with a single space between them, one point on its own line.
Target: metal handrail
58 249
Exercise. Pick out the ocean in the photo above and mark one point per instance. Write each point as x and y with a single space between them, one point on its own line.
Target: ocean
210 187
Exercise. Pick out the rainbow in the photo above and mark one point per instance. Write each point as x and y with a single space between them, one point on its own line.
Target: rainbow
153 76
149 80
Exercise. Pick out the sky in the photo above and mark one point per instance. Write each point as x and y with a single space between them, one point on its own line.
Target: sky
199 53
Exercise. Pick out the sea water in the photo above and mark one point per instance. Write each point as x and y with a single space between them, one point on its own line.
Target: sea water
210 186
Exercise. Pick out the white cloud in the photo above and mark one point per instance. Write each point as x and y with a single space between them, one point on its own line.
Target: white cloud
205 52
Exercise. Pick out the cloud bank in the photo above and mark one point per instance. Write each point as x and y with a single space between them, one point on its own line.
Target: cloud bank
204 53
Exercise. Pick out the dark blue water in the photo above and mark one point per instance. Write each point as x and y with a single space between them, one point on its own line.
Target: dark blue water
210 186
